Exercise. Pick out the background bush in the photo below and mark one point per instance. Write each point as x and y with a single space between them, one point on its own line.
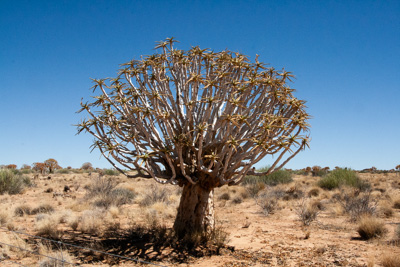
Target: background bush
12 183
342 177
279 177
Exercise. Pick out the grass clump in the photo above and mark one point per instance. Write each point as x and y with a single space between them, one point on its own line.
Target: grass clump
155 194
390 260
22 210
268 202
116 197
370 227
104 193
44 208
342 177
12 183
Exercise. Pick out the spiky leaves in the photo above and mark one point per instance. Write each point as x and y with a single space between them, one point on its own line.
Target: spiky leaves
195 116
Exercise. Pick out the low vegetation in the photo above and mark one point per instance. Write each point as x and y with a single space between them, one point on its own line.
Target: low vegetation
279 177
12 183
371 227
117 215
342 177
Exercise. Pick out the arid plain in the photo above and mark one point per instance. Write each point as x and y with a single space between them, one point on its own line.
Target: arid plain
296 223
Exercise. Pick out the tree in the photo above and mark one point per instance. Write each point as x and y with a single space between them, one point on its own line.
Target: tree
197 119
11 166
87 166
25 167
51 165
39 167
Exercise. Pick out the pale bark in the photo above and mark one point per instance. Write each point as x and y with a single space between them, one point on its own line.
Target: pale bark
195 211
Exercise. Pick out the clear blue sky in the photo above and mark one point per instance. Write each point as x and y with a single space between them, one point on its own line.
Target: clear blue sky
345 55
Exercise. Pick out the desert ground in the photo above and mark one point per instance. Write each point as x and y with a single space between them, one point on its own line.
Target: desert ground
256 226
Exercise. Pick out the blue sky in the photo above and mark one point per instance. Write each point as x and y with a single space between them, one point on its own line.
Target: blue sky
345 55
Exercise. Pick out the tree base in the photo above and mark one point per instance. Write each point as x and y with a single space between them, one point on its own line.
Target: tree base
195 212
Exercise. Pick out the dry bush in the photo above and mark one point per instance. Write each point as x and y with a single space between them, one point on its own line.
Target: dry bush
64 216
254 188
22 210
357 204
237 200
396 203
224 196
116 197
390 260
100 186
155 194
114 211
398 231
4 217
307 212
13 251
293 192
58 258
47 226
386 210
92 221
43 208
370 227
158 213
103 193
314 192
268 202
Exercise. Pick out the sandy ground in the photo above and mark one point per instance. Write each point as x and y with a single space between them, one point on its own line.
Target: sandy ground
254 238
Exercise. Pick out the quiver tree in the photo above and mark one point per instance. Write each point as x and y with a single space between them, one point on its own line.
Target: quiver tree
51 165
39 167
197 119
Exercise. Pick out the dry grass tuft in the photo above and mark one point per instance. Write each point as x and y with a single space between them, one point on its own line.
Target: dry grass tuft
396 204
4 217
371 227
92 221
307 212
59 257
22 210
268 202
390 260
43 208
155 194
386 210
224 196
47 226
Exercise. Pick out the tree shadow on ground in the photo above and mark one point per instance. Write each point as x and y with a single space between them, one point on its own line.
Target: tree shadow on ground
138 244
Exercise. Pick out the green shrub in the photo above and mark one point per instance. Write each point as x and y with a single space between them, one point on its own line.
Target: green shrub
111 172
26 171
275 178
342 177
12 183
63 171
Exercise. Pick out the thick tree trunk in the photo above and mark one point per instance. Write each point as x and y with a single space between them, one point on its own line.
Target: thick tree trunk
195 211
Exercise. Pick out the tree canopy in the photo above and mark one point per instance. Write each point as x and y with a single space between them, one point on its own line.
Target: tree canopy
195 116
